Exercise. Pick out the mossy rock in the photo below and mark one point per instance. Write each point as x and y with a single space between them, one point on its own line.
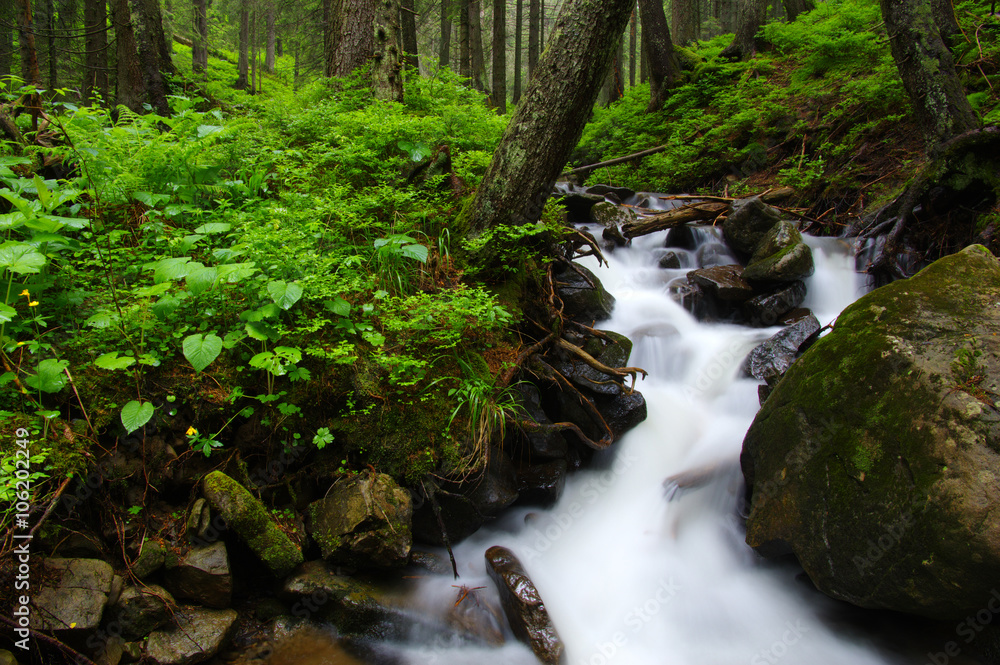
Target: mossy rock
876 460
252 523
748 222
780 257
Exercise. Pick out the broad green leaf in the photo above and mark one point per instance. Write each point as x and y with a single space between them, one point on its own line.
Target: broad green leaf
213 228
150 199
100 320
21 258
165 306
201 350
201 280
11 221
51 377
208 130
414 251
288 353
7 313
135 414
154 290
236 272
338 306
112 361
170 269
261 331
44 195
284 295
190 241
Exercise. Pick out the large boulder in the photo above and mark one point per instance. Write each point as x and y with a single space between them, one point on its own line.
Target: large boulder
252 523
199 635
876 460
583 295
72 595
781 256
141 610
363 521
748 222
526 613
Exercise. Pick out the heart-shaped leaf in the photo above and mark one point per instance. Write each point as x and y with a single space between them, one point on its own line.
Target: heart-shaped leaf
51 376
284 295
201 350
112 361
135 414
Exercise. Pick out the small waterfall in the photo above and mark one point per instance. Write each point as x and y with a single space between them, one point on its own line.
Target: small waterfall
639 572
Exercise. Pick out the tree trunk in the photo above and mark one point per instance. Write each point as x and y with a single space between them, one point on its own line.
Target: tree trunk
928 72
476 35
408 23
533 20
664 73
632 35
154 21
95 76
683 17
643 47
387 69
444 50
541 27
6 38
253 52
944 17
26 42
199 54
749 18
145 21
550 120
464 40
615 82
499 96
271 41
795 7
130 89
330 26
243 67
51 58
518 29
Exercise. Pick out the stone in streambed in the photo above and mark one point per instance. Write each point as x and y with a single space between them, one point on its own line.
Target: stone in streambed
199 635
748 222
202 575
583 295
771 359
725 283
72 595
767 309
781 256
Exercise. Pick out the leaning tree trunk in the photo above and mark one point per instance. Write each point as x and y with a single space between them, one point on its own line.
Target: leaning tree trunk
534 19
387 68
944 17
95 76
928 71
153 17
131 90
499 95
664 73
750 15
550 120
199 53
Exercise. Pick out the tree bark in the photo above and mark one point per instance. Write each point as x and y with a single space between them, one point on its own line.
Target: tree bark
533 20
661 62
518 29
476 35
408 23
95 73
253 52
51 59
795 7
387 68
131 91
6 37
615 82
750 16
632 35
499 95
464 40
928 71
145 21
550 120
541 27
26 42
150 9
199 53
944 17
444 50
271 41
683 17
243 67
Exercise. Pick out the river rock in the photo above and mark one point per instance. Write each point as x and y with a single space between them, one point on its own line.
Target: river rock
141 610
523 606
578 205
622 412
542 484
620 193
609 215
876 459
354 606
612 352
199 635
583 295
363 521
73 594
681 237
748 222
766 309
247 516
544 442
150 559
781 256
771 359
724 283
670 261
202 575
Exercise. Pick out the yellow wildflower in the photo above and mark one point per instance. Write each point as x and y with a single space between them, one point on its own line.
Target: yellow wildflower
33 303
25 293
192 431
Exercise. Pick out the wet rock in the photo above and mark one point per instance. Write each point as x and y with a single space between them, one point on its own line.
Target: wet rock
578 205
794 315
352 605
199 520
150 558
875 459
111 653
432 562
670 261
203 576
748 222
81 545
692 298
542 444
477 618
199 635
247 516
612 352
523 606
613 236
713 254
766 309
623 412
773 358
682 237
723 283
621 193
542 484
584 296
73 594
363 521
780 257
141 610
609 215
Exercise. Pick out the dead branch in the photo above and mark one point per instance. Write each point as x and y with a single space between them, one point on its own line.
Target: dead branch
698 212
598 365
543 370
612 162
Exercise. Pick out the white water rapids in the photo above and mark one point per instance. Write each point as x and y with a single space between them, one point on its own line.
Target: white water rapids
629 577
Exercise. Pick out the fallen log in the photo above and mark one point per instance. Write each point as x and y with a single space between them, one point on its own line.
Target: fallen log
692 212
611 162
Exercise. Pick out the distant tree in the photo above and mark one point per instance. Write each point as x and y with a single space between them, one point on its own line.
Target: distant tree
664 73
550 119
444 50
148 28
6 37
95 70
199 52
26 42
387 67
271 41
684 19
534 20
243 65
632 38
518 28
499 95
795 7
750 15
366 33
478 62
464 40
130 90
408 25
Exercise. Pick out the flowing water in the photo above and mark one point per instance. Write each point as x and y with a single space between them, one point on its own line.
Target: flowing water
636 571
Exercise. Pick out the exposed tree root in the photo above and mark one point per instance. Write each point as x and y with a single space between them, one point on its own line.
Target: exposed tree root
599 366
